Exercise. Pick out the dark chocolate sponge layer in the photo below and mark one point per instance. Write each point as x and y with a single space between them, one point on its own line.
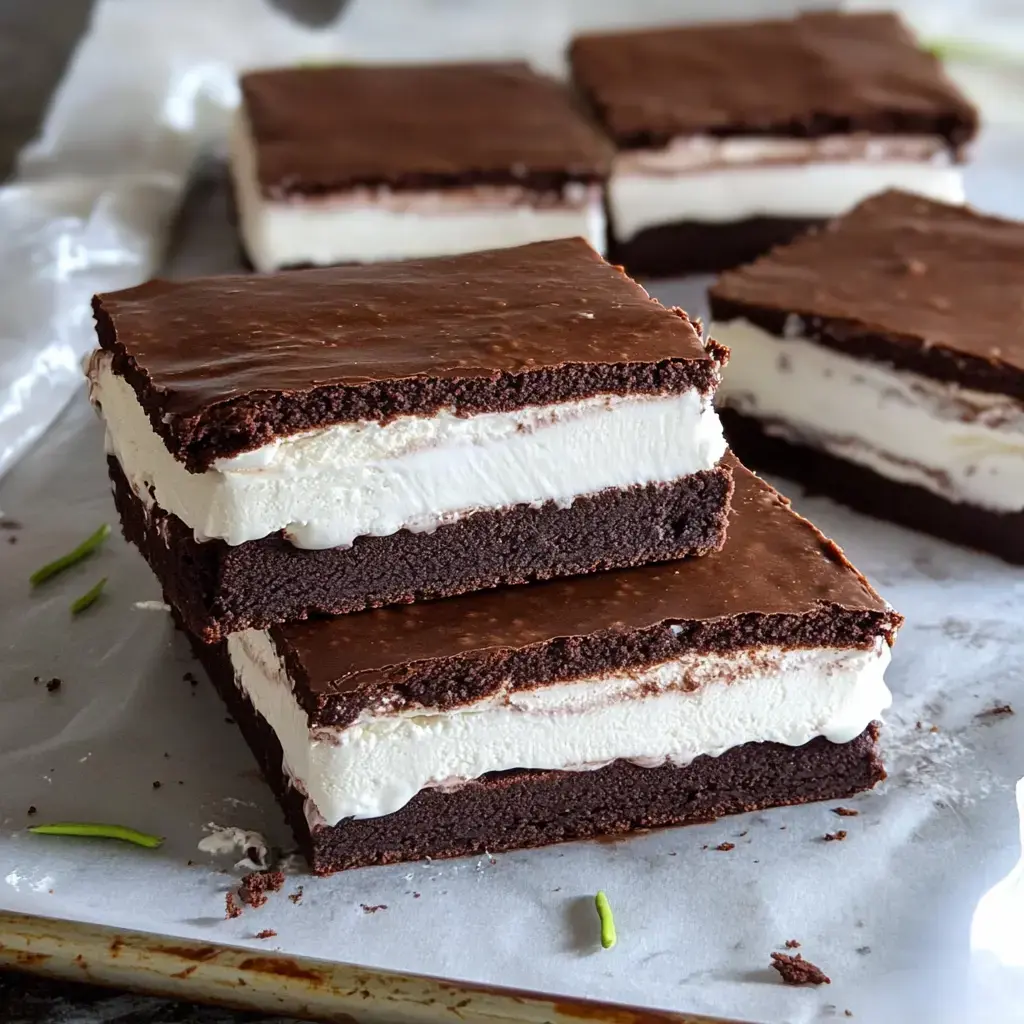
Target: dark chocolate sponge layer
865 491
517 809
218 589
692 247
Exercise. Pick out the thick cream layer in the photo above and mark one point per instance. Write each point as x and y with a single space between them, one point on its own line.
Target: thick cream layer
676 711
963 445
326 487
727 180
367 226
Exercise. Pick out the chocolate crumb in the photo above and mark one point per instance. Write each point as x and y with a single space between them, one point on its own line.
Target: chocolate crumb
741 835
725 847
157 785
296 897
795 970
231 908
32 809
997 711
834 837
845 812
257 884
792 944
12 539
915 268
415 895
863 950
373 910
53 685
190 679
934 728
267 933
847 1013
9 524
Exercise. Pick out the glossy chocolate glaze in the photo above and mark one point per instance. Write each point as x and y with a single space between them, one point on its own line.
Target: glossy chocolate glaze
777 580
924 286
226 364
327 129
816 74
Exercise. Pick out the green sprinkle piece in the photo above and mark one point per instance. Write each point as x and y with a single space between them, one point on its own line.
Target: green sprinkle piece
604 912
95 831
58 565
971 52
89 597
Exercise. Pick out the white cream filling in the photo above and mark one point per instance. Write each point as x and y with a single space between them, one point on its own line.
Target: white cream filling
963 445
726 180
366 226
675 711
328 486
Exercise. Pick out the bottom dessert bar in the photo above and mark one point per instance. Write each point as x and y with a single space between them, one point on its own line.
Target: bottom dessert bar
692 247
219 589
517 809
623 700
862 489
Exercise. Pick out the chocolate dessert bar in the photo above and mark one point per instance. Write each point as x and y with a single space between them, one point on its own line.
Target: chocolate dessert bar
342 438
354 164
735 137
881 361
653 696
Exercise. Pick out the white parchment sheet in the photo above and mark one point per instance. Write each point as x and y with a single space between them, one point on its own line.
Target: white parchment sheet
919 912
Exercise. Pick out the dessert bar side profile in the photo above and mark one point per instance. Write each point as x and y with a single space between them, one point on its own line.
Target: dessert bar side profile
702 693
735 137
331 440
355 164
881 361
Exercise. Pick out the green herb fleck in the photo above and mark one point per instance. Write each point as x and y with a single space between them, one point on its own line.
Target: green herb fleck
58 565
88 598
970 52
126 835
604 912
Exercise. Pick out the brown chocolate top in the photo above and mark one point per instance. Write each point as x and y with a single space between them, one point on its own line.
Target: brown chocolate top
921 285
777 580
225 364
816 74
322 129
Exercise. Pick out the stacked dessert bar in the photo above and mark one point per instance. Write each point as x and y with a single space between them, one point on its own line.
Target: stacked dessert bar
372 441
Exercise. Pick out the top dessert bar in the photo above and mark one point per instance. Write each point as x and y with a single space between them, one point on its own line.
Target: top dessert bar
358 163
882 360
725 127
418 429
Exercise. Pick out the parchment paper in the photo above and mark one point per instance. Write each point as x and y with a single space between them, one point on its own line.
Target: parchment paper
897 913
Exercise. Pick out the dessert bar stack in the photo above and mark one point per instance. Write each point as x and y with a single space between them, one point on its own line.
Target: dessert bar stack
460 545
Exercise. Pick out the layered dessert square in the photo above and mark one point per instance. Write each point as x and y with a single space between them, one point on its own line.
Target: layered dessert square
646 697
736 137
343 438
881 361
354 164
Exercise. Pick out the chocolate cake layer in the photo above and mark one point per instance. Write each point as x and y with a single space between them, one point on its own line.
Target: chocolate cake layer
327 129
997 533
225 365
219 588
818 74
516 809
914 284
776 581
692 247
